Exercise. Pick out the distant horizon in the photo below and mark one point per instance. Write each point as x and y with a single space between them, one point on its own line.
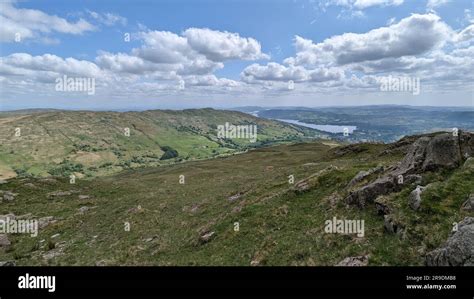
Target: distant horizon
132 109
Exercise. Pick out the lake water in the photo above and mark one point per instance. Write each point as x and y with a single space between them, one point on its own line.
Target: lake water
325 128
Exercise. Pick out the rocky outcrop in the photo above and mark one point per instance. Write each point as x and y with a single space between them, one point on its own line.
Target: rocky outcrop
442 151
7 195
234 197
302 186
370 192
45 221
459 248
414 199
466 144
354 261
427 153
206 237
364 174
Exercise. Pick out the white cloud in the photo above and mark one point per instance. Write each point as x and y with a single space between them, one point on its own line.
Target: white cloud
277 72
414 46
23 63
108 19
124 63
466 34
31 23
163 60
363 4
436 3
210 80
223 45
195 52
274 72
413 35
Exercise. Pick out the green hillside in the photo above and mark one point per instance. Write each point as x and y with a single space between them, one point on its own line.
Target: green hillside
89 144
186 213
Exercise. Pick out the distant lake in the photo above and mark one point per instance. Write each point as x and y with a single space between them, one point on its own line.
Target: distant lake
325 128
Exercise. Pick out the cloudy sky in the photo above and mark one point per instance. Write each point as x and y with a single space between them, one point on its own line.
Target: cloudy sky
175 54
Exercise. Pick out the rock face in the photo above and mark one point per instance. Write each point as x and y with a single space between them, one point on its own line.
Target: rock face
427 153
443 151
459 248
466 143
370 192
363 174
414 199
354 261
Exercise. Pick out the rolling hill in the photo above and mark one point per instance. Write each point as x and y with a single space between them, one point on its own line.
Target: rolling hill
89 144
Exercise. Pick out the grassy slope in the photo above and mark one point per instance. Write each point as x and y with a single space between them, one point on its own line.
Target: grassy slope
278 226
97 141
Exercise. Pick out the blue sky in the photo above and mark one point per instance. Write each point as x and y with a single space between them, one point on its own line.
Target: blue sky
234 53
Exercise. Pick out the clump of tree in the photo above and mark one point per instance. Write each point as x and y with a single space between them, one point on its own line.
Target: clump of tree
169 153
66 168
22 172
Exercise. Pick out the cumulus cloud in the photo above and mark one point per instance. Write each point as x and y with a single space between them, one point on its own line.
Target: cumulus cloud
221 46
195 52
210 80
413 35
124 63
466 34
163 47
413 46
274 72
31 23
163 59
277 72
24 63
